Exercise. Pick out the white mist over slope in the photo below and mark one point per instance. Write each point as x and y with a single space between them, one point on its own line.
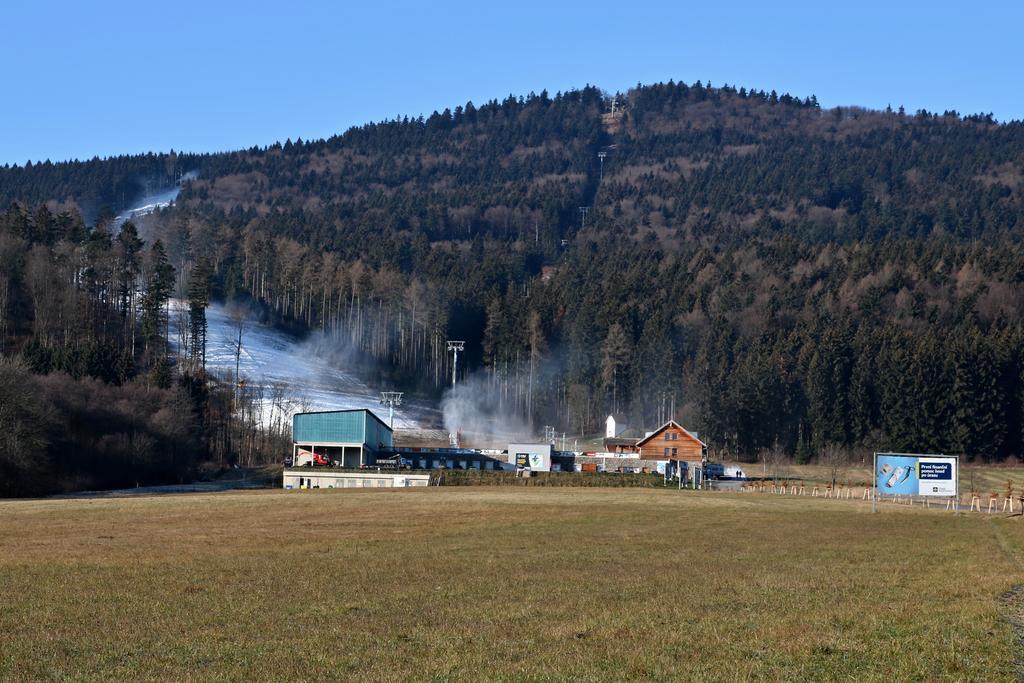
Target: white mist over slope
472 409
271 357
318 373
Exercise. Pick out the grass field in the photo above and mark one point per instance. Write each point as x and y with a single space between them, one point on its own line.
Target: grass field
506 584
983 478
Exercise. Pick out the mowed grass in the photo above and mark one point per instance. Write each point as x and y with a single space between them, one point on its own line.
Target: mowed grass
503 584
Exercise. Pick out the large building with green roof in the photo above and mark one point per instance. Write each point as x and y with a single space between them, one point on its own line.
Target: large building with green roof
350 438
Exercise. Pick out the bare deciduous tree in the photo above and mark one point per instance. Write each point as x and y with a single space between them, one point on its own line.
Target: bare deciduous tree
836 459
771 460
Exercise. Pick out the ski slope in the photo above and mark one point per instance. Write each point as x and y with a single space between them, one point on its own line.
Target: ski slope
271 357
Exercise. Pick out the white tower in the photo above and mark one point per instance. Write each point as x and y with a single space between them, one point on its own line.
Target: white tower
609 430
454 347
391 399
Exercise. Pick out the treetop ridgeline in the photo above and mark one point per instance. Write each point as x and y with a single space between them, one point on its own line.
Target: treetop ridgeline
788 277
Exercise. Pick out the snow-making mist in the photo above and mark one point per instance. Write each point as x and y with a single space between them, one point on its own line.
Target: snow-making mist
317 373
298 369
472 409
151 202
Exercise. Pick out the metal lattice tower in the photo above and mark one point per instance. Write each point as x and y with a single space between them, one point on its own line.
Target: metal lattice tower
391 399
455 347
583 216
601 156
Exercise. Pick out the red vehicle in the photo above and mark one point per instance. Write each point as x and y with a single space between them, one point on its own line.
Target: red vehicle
306 458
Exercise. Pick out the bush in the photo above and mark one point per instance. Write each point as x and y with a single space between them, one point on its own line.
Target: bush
61 434
26 423
579 479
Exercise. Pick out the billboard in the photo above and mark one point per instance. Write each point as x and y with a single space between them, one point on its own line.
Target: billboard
531 456
904 474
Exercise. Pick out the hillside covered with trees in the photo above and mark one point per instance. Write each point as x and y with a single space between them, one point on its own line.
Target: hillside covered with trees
774 274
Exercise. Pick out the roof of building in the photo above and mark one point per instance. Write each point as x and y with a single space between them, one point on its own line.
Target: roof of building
619 441
347 410
665 426
339 427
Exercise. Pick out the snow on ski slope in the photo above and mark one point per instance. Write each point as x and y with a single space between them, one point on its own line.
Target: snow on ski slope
152 202
270 357
147 205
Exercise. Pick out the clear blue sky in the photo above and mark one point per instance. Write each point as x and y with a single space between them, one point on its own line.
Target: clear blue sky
100 78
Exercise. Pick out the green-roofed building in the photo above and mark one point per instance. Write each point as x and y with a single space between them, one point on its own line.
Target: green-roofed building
348 438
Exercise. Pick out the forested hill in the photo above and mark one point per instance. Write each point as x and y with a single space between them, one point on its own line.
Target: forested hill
780 274
97 188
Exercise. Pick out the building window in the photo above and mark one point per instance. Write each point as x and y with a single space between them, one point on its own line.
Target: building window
666 452
674 451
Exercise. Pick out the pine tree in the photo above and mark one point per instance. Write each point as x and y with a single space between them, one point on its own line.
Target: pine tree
127 248
930 382
159 285
198 300
977 421
862 394
615 356
493 331
538 346
897 400
828 386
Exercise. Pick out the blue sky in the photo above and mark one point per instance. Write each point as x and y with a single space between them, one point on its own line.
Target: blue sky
100 78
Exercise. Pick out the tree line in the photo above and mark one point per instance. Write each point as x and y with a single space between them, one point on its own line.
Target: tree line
94 392
731 227
774 274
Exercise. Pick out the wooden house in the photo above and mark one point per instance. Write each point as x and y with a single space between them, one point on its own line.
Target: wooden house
671 442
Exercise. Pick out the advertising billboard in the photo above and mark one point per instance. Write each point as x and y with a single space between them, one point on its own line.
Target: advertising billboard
904 474
531 456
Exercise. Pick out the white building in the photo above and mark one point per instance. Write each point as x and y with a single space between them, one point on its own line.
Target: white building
612 429
323 478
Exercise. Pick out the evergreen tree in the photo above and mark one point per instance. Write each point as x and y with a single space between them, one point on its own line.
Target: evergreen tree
615 356
977 424
198 293
494 331
159 285
828 387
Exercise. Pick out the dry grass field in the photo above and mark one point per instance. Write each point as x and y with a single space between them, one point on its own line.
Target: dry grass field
504 584
983 478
